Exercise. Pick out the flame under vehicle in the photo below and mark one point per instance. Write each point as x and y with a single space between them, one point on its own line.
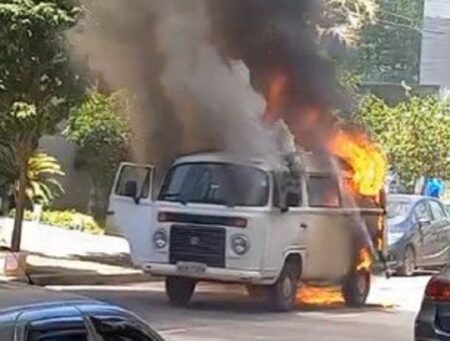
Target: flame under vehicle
268 226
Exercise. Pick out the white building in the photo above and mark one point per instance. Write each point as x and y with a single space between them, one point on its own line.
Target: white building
435 54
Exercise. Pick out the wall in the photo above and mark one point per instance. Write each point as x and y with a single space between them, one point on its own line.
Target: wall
76 183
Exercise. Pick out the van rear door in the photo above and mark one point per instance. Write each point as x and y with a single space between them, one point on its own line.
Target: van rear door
130 212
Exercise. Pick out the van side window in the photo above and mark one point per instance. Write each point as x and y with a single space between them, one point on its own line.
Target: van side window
134 181
323 191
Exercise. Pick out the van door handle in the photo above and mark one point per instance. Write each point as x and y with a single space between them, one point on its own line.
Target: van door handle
303 226
110 213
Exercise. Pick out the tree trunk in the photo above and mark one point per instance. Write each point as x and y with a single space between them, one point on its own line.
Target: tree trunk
20 205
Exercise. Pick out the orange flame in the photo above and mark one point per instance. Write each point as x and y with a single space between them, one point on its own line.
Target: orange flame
275 98
380 233
364 260
365 158
310 295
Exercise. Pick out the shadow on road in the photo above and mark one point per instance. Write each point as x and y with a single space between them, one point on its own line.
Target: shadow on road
212 303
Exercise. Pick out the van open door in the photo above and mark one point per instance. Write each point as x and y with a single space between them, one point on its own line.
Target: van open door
130 212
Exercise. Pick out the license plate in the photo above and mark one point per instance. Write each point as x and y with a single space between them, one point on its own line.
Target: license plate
191 268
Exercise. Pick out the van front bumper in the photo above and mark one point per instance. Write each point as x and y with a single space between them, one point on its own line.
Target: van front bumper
211 274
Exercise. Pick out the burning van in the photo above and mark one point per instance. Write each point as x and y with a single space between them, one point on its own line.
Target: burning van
267 225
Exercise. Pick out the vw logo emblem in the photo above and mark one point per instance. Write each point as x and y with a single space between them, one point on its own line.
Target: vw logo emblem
194 241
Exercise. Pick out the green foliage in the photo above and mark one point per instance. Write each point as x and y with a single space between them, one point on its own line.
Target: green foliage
71 220
20 129
38 86
414 134
34 66
346 18
102 135
68 219
42 186
389 50
98 129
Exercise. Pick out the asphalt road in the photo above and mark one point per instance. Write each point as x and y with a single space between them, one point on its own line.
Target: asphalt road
220 312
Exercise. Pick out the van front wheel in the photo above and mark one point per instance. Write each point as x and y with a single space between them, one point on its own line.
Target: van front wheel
356 288
282 294
179 290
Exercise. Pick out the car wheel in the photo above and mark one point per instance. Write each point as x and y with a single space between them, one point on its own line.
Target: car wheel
179 290
409 263
283 293
356 288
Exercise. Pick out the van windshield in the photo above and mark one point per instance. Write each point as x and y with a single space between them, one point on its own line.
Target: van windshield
216 183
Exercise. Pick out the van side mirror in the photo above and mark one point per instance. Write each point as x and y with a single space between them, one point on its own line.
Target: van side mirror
292 199
131 190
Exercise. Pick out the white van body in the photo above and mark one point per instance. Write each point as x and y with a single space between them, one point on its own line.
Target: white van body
244 242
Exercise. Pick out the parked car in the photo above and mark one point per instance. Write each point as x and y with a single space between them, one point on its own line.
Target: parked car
29 313
433 320
418 233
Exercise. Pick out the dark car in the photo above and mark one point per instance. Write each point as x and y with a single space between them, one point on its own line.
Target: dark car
418 233
29 313
433 320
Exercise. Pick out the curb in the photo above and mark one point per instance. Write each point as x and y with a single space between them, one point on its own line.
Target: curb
85 279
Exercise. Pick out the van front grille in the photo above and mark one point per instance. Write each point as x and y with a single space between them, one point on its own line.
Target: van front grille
198 244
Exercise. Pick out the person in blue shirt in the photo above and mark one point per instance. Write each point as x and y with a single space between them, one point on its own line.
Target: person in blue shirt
434 187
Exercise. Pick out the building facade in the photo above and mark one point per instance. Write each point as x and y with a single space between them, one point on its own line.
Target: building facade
435 54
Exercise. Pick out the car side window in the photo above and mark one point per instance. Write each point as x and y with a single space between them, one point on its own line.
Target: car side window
122 331
323 191
57 331
437 210
421 212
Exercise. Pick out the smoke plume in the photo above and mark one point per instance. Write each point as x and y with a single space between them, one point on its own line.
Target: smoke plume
203 72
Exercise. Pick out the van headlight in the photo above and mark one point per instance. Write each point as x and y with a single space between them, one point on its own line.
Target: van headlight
240 244
160 239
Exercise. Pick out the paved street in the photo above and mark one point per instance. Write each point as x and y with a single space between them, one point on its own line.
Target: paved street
225 313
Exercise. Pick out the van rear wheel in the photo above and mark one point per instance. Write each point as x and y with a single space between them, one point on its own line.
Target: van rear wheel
283 293
179 290
356 288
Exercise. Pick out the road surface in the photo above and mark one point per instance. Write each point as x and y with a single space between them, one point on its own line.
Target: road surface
220 312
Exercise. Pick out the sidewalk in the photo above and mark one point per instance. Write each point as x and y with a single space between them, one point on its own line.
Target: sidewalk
45 270
62 257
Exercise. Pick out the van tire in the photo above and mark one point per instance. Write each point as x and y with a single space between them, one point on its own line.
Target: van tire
179 290
282 295
408 262
356 288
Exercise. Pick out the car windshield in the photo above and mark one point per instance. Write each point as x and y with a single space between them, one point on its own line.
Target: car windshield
397 209
216 183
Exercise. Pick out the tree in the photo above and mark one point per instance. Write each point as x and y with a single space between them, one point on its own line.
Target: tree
346 19
41 186
415 135
389 49
102 136
37 85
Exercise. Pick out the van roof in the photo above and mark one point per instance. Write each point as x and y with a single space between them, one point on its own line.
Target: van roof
310 163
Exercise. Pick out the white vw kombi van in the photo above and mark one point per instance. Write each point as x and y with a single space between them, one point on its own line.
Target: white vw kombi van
240 220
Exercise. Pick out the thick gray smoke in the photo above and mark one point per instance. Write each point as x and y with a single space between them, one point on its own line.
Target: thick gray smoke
188 97
203 73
